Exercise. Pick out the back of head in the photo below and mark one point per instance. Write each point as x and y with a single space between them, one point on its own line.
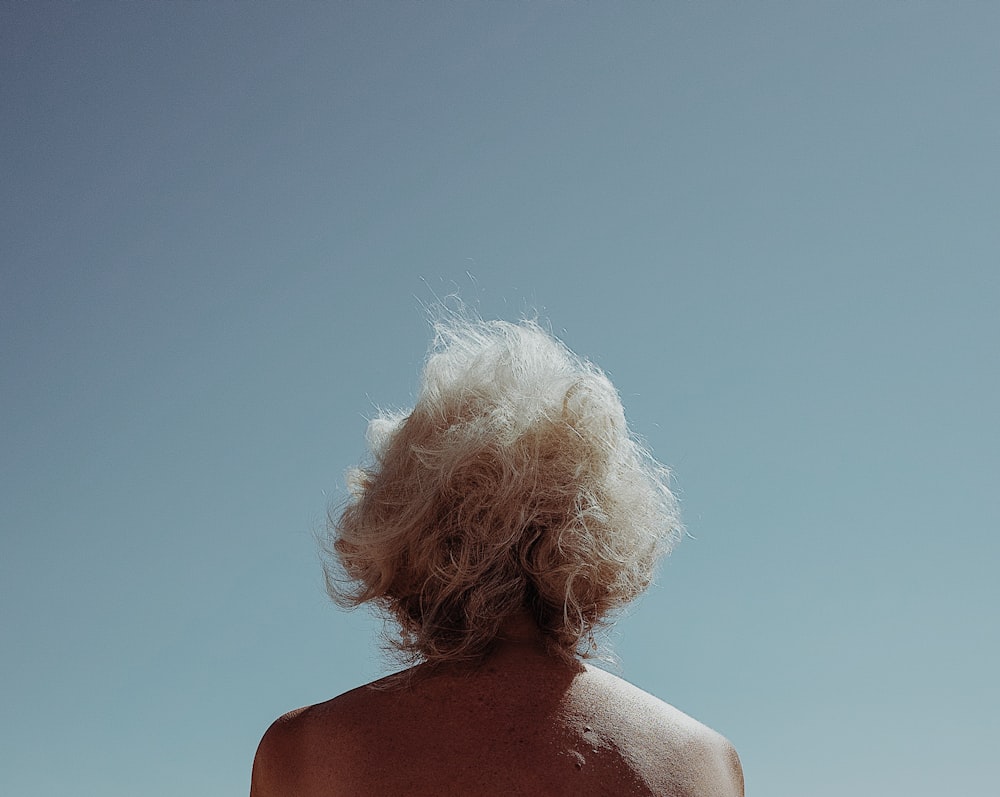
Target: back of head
514 485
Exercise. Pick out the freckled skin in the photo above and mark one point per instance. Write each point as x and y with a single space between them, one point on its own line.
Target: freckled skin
520 723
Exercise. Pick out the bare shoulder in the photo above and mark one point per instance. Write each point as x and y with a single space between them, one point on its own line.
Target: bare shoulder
500 731
297 746
276 763
330 748
670 744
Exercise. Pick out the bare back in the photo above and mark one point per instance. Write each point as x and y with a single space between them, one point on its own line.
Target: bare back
522 723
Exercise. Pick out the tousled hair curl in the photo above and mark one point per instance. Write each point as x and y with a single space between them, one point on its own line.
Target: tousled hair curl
513 485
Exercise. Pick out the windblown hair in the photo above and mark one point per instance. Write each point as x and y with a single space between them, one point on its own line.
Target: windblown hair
514 484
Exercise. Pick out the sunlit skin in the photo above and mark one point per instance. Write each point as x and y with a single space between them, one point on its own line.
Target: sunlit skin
521 722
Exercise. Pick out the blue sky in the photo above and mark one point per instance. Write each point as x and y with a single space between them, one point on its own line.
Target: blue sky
774 225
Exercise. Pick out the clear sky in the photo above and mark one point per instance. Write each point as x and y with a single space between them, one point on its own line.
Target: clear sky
775 225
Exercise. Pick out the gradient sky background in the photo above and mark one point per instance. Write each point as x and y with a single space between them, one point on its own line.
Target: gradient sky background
775 225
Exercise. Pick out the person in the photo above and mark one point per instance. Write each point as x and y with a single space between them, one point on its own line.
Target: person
500 524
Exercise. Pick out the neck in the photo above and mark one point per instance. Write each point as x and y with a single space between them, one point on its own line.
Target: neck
521 627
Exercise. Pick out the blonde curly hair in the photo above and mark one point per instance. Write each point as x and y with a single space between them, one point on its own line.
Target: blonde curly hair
513 485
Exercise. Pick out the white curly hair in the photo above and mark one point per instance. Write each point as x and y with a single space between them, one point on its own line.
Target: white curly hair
513 485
